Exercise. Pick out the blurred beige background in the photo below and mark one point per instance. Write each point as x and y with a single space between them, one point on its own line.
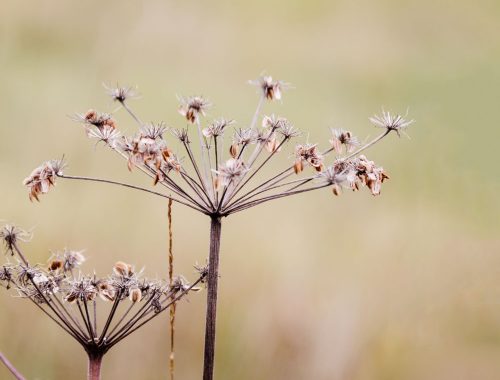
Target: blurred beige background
403 286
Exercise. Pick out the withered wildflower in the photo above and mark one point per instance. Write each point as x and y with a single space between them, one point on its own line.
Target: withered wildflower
73 301
219 180
43 178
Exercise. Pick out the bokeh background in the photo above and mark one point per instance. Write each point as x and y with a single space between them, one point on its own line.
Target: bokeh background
402 286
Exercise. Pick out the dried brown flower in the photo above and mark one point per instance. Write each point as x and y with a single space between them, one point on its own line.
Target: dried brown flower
43 177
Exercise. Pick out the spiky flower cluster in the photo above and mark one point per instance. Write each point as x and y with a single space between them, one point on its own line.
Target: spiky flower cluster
72 299
202 177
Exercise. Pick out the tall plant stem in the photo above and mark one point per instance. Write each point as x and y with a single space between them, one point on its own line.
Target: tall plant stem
213 277
94 369
11 368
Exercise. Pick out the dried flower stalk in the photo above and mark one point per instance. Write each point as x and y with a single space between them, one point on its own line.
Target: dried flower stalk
74 301
218 186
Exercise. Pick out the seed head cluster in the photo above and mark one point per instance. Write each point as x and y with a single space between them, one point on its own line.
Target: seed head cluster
77 301
218 176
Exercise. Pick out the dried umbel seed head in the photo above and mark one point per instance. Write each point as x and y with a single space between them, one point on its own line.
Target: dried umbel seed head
135 295
217 128
271 89
341 138
123 269
107 134
192 107
11 234
274 122
391 122
43 177
96 119
120 94
153 131
244 136
308 153
230 172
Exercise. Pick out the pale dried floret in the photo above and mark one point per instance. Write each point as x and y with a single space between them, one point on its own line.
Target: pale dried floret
153 130
271 89
244 136
341 137
181 134
120 93
230 172
11 234
370 175
308 153
96 119
217 128
391 122
268 139
192 107
108 135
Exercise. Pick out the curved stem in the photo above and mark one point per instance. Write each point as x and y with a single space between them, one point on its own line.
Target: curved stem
130 187
212 280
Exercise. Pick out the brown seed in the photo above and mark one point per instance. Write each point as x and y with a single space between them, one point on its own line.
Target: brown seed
336 190
298 166
90 115
233 150
55 265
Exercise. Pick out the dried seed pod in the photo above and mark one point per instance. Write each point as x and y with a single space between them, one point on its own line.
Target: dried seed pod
234 150
336 189
55 265
135 295
123 269
298 166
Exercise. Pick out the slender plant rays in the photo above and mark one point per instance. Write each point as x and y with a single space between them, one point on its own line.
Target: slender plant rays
203 168
73 300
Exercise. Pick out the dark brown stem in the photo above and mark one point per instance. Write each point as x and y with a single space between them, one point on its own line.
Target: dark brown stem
11 367
213 277
171 358
94 369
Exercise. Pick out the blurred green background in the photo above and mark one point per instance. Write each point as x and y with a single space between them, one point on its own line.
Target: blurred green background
402 286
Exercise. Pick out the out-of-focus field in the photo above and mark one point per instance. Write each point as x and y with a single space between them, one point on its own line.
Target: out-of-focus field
402 286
